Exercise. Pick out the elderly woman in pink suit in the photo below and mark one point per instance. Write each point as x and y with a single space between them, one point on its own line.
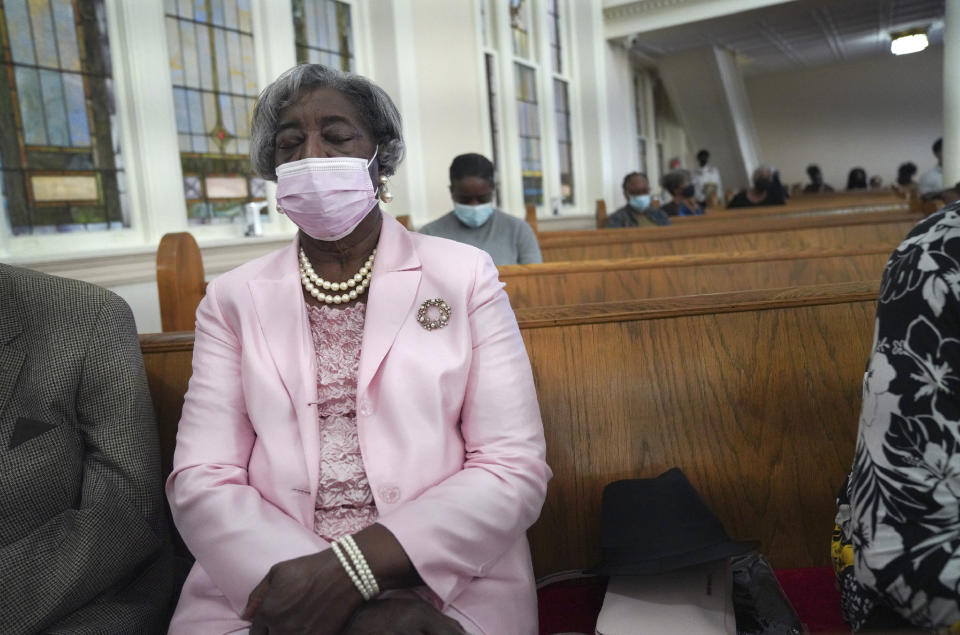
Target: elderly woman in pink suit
361 448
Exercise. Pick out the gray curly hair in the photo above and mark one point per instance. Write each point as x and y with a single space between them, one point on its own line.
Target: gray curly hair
374 107
672 180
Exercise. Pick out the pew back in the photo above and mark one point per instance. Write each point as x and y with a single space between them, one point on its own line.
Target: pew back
754 395
802 233
561 283
810 205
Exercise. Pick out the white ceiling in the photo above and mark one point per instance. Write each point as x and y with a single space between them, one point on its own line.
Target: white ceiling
804 33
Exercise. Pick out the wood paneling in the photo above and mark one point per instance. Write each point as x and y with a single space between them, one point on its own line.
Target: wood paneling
758 406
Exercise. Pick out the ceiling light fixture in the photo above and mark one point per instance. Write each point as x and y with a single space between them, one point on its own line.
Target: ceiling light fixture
906 42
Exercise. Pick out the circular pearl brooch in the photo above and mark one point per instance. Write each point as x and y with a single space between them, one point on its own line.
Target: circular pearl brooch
433 314
346 291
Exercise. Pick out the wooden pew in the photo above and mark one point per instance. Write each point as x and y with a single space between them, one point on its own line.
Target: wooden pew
733 236
577 282
601 213
872 204
531 216
180 281
726 222
645 249
809 205
754 394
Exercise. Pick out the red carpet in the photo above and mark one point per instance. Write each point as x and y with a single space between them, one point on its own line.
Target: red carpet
815 598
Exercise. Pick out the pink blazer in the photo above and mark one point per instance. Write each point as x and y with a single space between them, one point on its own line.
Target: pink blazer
448 423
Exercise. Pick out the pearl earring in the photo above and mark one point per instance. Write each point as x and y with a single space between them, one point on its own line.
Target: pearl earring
384 190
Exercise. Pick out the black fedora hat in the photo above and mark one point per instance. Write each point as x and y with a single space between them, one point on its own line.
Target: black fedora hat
654 525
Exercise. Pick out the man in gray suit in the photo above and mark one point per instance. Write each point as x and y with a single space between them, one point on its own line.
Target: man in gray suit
83 538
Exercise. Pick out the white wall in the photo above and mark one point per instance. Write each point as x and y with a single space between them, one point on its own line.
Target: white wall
872 112
621 108
144 302
707 94
451 94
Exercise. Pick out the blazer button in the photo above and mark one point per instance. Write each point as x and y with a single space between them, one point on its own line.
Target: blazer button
390 494
365 409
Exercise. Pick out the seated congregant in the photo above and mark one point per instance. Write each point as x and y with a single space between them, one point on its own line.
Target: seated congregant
639 210
360 449
765 191
83 537
474 221
905 183
857 179
684 202
816 183
897 540
931 181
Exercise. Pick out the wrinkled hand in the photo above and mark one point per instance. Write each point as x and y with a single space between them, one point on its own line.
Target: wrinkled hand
400 617
311 594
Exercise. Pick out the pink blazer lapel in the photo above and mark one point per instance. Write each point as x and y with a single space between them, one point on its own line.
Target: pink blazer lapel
282 313
393 290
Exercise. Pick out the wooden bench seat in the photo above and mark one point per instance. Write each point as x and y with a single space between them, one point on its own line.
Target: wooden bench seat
578 282
754 394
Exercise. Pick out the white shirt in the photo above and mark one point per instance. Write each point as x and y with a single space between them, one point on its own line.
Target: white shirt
931 181
703 176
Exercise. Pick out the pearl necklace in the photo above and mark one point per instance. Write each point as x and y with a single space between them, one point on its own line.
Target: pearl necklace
314 283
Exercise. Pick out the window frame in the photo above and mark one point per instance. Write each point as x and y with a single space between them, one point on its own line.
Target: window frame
509 162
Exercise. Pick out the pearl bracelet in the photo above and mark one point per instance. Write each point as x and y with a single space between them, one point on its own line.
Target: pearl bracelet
361 586
360 563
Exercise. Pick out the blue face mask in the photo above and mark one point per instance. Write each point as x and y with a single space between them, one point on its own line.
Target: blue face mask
640 202
473 215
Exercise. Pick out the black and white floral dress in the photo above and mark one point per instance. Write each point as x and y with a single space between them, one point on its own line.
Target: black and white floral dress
897 542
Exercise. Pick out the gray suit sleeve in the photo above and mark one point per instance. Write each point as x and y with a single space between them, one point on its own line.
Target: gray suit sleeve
528 251
104 566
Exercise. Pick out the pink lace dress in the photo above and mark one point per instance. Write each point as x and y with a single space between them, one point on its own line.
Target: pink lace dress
344 501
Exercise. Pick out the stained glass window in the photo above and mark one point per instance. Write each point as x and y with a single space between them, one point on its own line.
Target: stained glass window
528 123
214 90
323 33
520 28
561 110
60 155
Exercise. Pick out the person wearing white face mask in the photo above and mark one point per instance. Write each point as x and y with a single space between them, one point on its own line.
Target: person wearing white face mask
360 449
474 221
639 210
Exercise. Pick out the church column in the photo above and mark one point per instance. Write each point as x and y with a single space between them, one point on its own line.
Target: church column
951 94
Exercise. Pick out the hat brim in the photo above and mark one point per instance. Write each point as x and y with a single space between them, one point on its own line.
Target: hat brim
673 562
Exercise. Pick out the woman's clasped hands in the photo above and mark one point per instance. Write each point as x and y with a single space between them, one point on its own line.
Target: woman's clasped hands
313 595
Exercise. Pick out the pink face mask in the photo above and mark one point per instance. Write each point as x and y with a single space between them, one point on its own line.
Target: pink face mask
326 197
